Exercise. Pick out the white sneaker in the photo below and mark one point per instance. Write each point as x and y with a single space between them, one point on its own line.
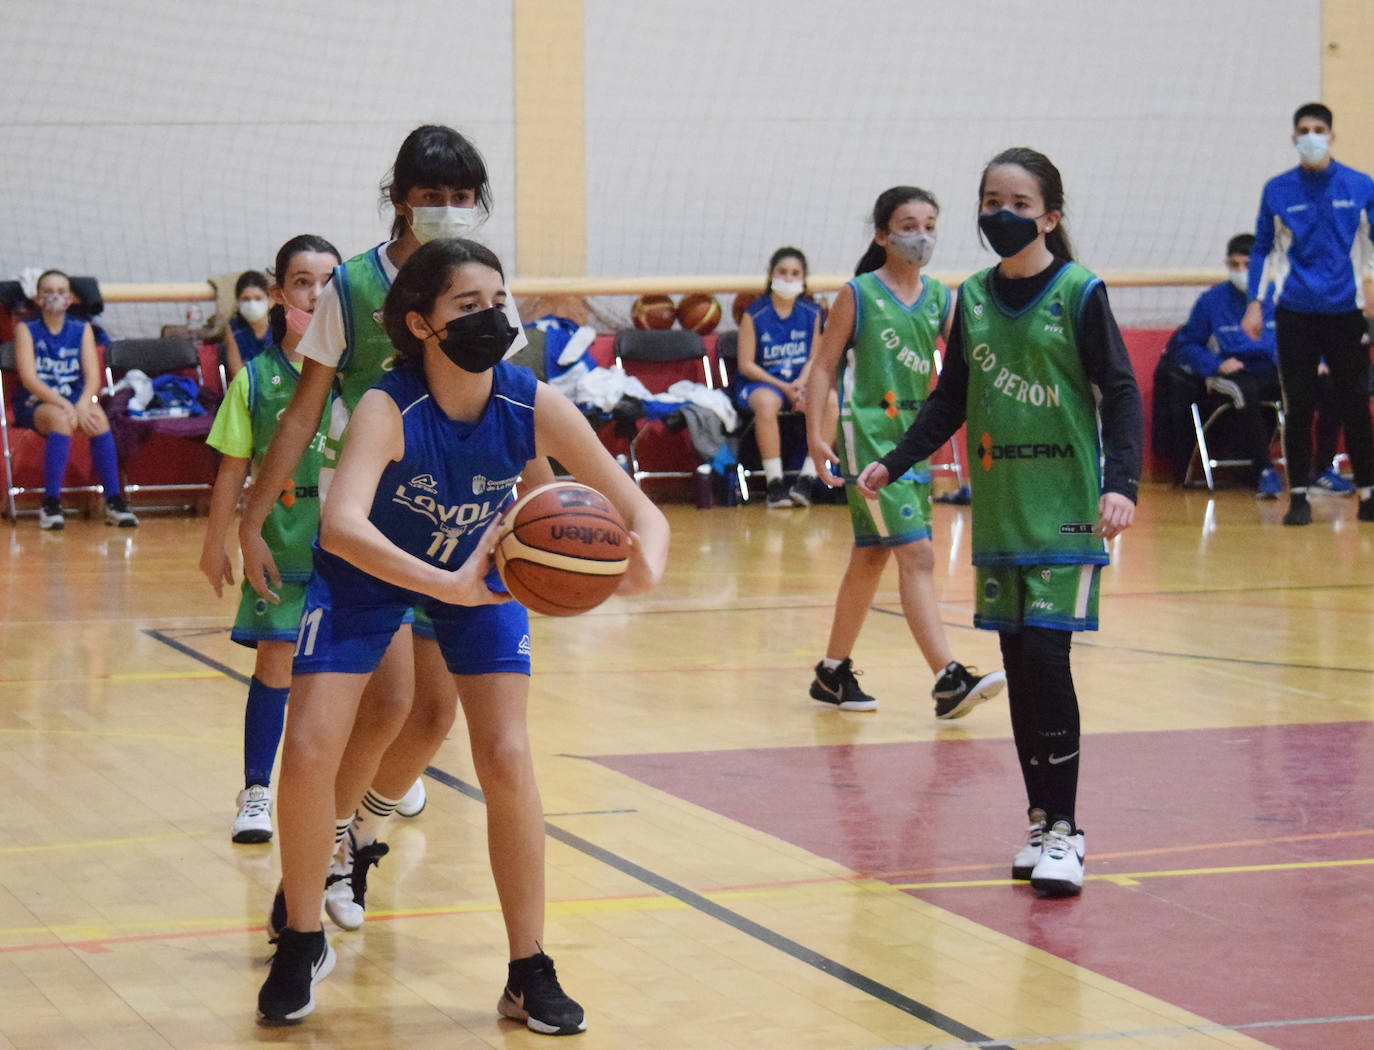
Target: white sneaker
254 822
413 801
345 895
50 515
1029 854
1059 871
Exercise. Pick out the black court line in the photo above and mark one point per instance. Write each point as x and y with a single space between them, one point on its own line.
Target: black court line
733 919
195 654
747 926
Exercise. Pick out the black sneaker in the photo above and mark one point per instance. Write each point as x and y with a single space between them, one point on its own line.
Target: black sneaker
50 515
276 918
533 995
960 689
1365 512
777 494
800 492
1299 512
117 512
841 688
302 961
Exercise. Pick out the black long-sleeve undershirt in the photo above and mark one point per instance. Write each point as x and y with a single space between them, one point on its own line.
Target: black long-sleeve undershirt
1106 363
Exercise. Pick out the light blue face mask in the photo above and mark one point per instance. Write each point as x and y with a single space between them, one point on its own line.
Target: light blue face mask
1313 148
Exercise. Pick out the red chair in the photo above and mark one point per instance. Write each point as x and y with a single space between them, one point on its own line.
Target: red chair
165 454
23 449
658 359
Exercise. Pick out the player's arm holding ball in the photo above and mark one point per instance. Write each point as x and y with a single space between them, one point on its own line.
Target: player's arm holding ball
375 438
561 432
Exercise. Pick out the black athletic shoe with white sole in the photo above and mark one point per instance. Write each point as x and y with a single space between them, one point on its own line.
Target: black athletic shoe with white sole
960 689
302 961
533 995
840 687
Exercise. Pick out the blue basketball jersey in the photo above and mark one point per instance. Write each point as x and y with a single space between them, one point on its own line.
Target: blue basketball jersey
250 346
435 501
782 346
58 357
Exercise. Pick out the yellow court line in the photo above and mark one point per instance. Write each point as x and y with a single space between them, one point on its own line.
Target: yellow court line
93 844
101 937
1133 878
140 676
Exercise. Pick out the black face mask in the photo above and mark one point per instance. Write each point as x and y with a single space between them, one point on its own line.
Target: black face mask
476 341
1007 232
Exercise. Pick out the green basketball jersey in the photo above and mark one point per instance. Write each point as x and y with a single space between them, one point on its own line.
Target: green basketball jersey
888 371
362 286
294 520
1033 443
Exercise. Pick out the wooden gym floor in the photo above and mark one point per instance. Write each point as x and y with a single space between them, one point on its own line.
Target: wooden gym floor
730 864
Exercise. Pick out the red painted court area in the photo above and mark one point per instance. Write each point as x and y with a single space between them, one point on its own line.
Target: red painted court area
1230 872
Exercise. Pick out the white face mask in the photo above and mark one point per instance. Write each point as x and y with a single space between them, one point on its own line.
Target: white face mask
787 289
913 247
431 223
1312 148
1241 279
253 310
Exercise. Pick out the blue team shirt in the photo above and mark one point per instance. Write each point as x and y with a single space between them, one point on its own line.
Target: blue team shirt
1213 333
1313 230
435 501
783 346
250 346
58 357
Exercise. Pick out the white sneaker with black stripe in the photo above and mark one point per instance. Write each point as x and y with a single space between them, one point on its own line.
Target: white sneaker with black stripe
1059 871
254 822
1029 855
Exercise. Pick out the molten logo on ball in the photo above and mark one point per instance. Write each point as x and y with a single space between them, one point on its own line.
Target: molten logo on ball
563 549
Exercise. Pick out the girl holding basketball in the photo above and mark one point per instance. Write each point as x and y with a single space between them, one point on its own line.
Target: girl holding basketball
880 338
776 334
450 420
438 184
1032 339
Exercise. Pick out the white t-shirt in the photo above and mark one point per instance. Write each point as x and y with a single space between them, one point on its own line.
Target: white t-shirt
324 340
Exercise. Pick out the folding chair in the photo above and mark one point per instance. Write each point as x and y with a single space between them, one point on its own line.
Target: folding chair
160 455
658 359
727 361
1202 453
23 449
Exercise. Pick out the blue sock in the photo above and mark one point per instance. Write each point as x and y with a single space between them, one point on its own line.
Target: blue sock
262 724
106 464
55 455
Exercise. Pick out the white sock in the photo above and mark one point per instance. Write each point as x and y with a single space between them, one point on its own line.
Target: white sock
830 664
808 469
372 814
1366 492
772 468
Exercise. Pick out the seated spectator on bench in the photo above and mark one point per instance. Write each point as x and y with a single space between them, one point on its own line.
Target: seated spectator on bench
1213 346
776 334
249 332
56 360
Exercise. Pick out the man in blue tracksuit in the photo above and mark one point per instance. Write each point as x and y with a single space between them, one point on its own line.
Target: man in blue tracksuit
1312 240
1213 346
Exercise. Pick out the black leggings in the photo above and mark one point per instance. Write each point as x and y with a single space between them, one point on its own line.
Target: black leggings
1044 717
1304 340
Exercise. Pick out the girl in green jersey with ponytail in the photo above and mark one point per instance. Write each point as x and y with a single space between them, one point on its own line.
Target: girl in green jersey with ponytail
1032 348
878 348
